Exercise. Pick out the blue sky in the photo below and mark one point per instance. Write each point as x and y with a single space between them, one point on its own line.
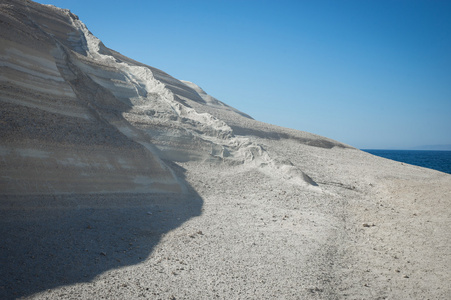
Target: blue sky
372 74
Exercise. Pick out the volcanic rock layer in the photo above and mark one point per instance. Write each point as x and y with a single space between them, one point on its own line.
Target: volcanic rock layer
79 117
118 181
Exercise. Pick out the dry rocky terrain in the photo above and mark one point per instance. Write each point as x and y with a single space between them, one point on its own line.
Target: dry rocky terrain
118 181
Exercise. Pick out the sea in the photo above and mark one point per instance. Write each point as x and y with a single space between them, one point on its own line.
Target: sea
437 160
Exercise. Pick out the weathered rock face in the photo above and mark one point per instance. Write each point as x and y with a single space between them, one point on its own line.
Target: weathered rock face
61 131
103 160
79 117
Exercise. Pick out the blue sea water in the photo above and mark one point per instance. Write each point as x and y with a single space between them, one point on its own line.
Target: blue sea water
437 160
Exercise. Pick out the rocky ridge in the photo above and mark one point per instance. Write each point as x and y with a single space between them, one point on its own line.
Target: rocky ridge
69 74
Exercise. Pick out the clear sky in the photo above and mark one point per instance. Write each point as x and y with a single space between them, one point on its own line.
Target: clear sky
372 74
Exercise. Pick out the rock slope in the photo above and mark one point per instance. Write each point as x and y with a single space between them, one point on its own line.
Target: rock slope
119 181
75 106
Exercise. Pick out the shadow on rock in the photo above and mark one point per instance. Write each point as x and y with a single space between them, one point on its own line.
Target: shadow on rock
49 241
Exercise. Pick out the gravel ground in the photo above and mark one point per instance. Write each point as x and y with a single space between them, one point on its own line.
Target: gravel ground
240 234
118 181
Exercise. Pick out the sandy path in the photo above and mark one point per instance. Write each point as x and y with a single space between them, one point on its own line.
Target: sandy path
405 252
258 237
249 242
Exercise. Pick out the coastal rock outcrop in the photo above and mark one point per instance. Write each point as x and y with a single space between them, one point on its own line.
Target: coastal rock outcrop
79 117
119 181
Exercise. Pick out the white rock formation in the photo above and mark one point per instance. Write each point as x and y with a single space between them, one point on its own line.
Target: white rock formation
119 181
67 74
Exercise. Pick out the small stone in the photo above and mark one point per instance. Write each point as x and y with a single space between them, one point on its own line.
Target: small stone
405 276
315 290
103 253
